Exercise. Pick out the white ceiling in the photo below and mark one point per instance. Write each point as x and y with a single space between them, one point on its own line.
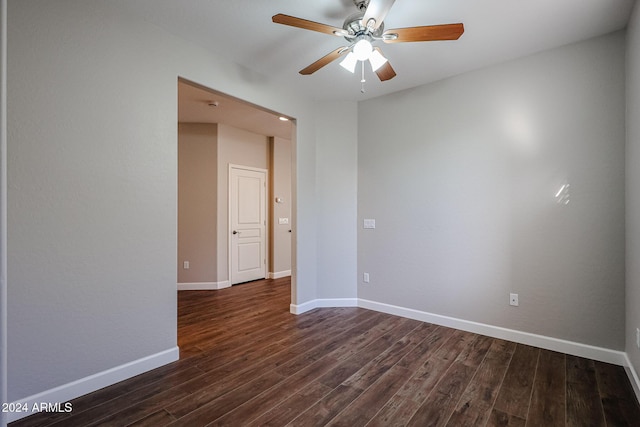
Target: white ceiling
194 106
495 31
242 31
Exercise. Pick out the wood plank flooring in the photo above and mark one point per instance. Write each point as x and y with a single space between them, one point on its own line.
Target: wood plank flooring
246 361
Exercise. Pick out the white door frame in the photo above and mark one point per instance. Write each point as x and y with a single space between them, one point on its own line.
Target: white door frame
229 219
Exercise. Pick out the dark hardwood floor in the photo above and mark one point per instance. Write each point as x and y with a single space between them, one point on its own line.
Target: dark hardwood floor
246 361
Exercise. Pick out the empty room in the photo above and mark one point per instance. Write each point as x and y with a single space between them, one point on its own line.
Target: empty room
462 213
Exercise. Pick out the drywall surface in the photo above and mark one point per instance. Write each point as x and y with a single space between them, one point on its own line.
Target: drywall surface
633 188
92 197
197 202
462 175
92 186
337 178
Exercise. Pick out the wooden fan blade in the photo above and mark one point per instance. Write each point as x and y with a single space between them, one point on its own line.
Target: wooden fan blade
308 25
386 71
424 34
377 10
327 59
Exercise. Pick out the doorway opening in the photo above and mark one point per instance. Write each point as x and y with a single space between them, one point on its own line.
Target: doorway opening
217 133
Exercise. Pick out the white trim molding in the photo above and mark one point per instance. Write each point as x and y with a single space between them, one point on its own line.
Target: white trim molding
204 286
323 303
563 346
67 392
279 274
633 376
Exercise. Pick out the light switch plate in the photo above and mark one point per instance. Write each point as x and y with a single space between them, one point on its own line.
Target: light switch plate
369 223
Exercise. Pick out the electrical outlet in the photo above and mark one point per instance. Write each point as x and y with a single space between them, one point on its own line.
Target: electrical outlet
638 337
365 277
513 299
185 265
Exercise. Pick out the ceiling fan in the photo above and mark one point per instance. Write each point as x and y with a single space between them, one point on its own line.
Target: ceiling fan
364 28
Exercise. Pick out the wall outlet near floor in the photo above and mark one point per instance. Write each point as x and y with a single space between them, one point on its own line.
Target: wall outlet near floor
365 277
638 337
513 299
185 265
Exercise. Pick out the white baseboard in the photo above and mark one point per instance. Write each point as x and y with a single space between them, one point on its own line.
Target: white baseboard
66 392
633 376
204 286
317 303
279 274
548 343
302 308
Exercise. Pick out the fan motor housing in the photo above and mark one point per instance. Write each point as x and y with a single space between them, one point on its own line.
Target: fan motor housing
353 25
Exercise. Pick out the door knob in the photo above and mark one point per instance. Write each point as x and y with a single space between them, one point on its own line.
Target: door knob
235 232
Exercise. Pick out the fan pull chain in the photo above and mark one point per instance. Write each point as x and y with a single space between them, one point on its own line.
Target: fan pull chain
362 81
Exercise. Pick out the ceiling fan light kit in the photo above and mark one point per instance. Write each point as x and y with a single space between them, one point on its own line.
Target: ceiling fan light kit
377 60
364 28
362 49
349 62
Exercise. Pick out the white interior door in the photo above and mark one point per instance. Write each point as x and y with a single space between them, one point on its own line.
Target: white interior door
248 223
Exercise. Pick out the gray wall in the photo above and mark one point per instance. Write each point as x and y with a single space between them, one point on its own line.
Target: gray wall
461 175
633 187
3 207
337 156
197 202
92 186
92 194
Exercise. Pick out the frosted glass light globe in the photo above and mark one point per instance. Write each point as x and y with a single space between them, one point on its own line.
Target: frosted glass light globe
362 50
